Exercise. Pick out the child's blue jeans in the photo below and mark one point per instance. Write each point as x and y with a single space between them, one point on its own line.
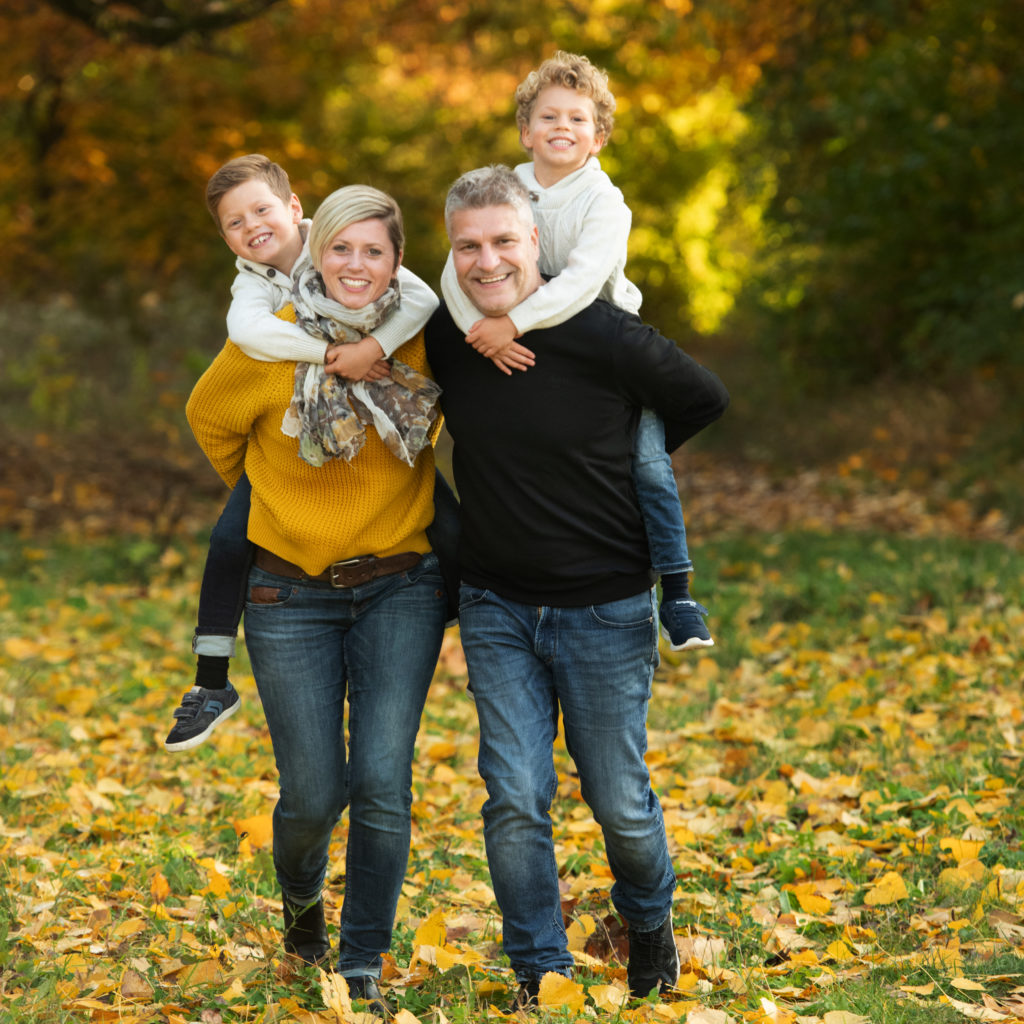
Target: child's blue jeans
222 593
658 495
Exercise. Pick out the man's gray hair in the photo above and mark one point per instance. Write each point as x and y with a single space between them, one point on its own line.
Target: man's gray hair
496 185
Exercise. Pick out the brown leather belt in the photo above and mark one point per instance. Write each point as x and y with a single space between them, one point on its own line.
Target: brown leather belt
350 573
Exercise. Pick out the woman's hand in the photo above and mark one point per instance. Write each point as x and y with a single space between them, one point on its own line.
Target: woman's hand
361 360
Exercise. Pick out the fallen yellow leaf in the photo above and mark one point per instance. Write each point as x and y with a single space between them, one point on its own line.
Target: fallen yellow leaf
558 990
608 998
259 830
334 989
888 889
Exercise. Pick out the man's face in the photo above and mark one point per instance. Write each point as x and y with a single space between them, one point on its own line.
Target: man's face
495 256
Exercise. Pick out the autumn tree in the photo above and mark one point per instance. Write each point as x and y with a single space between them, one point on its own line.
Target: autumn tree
892 134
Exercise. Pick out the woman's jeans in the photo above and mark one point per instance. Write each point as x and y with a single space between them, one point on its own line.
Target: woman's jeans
658 495
311 646
595 664
223 590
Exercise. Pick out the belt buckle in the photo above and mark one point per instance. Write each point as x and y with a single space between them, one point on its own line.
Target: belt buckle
339 579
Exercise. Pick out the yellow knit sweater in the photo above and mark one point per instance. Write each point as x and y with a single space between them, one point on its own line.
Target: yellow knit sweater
312 516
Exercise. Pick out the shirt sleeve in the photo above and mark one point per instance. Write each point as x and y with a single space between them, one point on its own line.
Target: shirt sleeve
222 409
261 335
657 374
599 249
417 305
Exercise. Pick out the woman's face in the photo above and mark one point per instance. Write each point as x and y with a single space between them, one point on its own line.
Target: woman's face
359 263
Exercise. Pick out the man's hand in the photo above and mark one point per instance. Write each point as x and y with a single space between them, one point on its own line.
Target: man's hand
492 335
361 360
515 357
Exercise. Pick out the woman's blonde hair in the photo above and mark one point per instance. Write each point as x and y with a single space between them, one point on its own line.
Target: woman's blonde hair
575 72
347 206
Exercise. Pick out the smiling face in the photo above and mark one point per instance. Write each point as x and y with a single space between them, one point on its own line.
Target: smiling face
258 226
359 263
561 133
495 256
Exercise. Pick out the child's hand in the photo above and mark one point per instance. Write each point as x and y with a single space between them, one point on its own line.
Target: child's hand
492 335
515 357
362 360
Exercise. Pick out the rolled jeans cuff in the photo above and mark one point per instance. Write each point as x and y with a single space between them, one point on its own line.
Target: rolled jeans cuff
213 645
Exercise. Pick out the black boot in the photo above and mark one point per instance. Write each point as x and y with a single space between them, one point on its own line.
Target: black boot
305 932
362 986
653 960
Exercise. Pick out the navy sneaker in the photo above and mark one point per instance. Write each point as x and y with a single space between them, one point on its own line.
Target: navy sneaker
200 712
653 960
682 625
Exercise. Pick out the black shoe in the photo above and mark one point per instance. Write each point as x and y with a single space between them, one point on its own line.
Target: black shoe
305 932
363 986
653 960
528 996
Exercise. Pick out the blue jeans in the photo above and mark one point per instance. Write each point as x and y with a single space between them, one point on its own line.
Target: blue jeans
658 496
311 646
595 664
222 592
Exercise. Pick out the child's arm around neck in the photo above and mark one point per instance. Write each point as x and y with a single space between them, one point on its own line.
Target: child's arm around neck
254 328
417 305
584 243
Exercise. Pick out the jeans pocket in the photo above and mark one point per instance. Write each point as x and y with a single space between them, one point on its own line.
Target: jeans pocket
469 596
627 613
428 568
266 590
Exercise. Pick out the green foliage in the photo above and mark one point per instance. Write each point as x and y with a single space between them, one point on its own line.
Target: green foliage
894 241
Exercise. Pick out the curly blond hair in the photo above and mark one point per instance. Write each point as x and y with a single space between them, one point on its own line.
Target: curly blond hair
572 71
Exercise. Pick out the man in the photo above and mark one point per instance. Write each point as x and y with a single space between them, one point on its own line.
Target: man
557 611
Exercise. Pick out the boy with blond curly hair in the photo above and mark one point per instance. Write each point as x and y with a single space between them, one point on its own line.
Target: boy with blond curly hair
565 114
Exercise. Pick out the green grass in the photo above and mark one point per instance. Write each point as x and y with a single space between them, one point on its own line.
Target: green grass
852 717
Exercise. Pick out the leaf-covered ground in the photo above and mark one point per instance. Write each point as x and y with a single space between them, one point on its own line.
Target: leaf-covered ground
841 779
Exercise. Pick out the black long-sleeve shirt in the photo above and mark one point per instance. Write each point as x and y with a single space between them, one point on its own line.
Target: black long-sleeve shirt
542 458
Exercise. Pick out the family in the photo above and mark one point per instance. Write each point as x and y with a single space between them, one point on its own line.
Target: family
349 554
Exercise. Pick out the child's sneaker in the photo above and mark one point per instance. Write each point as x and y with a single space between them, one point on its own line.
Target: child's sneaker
200 712
682 625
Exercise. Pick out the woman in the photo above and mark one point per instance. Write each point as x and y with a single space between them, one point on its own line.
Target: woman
345 596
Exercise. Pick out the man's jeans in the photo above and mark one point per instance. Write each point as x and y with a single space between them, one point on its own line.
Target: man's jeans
595 664
658 497
311 645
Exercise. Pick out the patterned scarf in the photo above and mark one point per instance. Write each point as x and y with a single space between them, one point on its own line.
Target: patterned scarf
329 414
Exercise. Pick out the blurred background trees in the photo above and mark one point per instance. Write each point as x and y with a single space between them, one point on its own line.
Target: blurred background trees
827 196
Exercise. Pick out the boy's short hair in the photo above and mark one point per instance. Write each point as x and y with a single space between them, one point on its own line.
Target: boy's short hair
496 185
254 166
573 71
347 206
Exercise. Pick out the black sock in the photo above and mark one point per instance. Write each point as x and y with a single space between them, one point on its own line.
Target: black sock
211 672
675 586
